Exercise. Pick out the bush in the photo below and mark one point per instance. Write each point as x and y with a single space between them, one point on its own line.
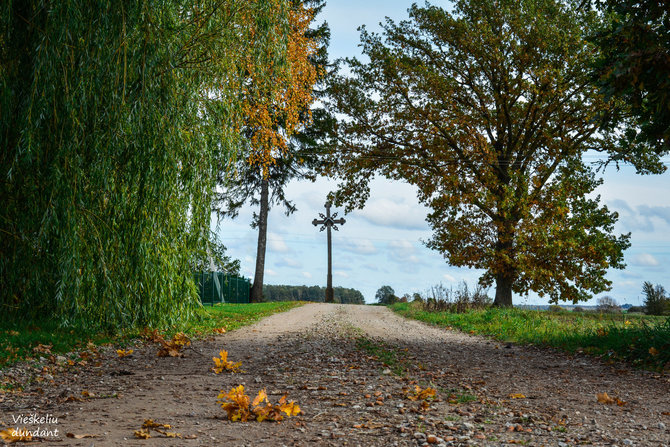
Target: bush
578 309
555 308
441 299
636 310
656 302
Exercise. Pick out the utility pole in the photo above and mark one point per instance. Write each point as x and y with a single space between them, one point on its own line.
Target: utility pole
328 222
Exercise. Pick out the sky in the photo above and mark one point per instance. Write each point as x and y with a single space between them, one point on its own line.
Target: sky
382 243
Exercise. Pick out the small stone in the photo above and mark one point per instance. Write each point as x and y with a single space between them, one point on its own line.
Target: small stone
419 435
60 359
386 372
466 426
661 426
562 444
431 439
627 442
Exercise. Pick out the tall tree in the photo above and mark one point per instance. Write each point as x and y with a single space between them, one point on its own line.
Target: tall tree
280 133
110 137
633 66
487 111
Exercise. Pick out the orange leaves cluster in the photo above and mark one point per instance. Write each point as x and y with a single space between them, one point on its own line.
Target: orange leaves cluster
170 348
150 424
419 394
239 408
604 398
222 363
11 435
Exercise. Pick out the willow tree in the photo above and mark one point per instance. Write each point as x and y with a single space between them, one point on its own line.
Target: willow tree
487 111
277 148
115 116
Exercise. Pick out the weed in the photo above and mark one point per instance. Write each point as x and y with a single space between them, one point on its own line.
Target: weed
386 354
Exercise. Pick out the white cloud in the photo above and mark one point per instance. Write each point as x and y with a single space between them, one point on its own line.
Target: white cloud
341 274
448 277
291 262
307 275
276 243
399 214
359 246
402 248
645 260
270 272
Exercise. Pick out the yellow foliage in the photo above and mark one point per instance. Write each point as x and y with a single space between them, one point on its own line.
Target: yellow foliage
222 363
11 435
121 353
419 394
238 408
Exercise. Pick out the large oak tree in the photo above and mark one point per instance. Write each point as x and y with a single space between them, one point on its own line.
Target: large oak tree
488 111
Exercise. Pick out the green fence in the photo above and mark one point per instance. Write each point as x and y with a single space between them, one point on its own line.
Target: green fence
218 287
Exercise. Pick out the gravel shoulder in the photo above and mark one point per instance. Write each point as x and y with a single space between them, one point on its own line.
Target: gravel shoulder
488 393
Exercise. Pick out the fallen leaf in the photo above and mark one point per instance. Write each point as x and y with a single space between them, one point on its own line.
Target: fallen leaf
121 353
220 330
11 435
72 435
142 434
149 423
87 393
653 351
222 363
517 396
603 398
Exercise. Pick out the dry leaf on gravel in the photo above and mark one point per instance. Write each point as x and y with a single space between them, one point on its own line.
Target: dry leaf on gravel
222 363
419 394
72 435
11 435
142 434
604 398
517 396
121 353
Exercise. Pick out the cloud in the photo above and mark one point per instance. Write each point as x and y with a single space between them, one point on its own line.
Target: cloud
398 214
290 262
359 246
276 243
448 277
307 275
341 274
642 217
645 260
270 272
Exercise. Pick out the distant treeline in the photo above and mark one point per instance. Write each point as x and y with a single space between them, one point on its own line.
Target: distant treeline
311 293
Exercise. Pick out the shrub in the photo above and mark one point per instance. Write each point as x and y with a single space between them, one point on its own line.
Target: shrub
578 309
637 309
555 308
656 302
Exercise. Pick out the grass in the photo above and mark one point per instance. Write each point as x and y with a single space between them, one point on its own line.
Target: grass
639 339
386 354
21 340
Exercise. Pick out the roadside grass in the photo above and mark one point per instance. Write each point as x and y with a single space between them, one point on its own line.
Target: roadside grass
21 340
638 339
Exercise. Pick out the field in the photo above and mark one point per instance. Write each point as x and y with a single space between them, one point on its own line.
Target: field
639 339
21 341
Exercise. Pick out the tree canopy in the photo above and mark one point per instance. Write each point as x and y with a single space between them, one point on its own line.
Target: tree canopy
633 65
487 111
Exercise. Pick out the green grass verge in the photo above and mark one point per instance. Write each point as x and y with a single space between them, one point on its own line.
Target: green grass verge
639 339
19 339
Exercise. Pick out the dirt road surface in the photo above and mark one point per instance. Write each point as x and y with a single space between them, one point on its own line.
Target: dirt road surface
327 358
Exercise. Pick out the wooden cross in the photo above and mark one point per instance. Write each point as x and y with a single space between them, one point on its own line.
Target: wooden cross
328 222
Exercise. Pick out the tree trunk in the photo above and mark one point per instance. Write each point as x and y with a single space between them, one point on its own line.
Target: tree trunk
503 291
256 294
506 274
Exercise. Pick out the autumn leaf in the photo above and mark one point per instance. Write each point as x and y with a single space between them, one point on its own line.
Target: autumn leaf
121 353
87 393
262 396
517 396
42 349
653 351
173 347
11 435
604 398
419 394
149 423
222 363
72 435
219 330
142 434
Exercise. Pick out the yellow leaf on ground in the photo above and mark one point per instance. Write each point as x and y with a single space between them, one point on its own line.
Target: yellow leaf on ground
142 434
517 396
11 435
262 396
121 353
603 398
